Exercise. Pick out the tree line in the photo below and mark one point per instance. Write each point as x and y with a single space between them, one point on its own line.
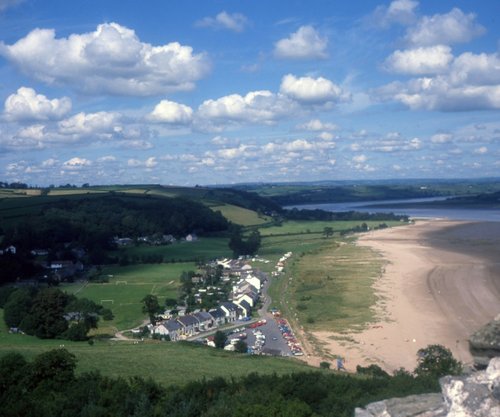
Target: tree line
49 386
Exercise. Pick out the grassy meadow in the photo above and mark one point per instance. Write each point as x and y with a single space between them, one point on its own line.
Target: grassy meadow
331 288
240 215
167 363
127 286
206 248
316 227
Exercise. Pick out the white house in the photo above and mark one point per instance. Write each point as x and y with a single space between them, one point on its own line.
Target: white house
254 281
230 310
250 297
246 309
11 249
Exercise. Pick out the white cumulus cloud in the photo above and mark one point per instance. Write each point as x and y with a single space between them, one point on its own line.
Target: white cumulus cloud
255 107
171 112
304 44
110 60
419 61
310 90
441 138
236 22
450 28
398 11
471 82
316 125
76 163
26 104
90 124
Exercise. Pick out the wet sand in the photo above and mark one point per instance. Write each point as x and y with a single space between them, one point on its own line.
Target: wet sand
441 283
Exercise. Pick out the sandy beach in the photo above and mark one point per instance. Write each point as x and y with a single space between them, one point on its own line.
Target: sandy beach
440 284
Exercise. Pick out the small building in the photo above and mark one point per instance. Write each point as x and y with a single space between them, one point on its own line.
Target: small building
191 238
39 252
10 249
123 241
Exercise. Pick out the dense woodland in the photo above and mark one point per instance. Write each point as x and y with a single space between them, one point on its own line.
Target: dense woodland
93 222
89 225
317 214
48 386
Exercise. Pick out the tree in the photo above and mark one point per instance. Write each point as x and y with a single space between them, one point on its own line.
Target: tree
328 231
241 347
242 247
151 307
437 361
17 306
220 339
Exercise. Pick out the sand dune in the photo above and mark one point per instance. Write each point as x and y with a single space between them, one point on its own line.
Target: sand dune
441 283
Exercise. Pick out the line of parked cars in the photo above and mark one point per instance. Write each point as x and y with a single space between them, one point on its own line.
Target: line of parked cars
290 338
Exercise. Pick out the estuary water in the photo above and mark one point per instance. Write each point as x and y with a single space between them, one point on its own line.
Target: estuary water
487 215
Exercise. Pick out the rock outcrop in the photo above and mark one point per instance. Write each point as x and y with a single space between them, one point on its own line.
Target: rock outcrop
475 395
485 343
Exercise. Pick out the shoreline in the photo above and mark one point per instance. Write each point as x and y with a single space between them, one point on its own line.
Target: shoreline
440 284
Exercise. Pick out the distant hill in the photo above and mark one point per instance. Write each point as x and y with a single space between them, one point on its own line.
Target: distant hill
350 191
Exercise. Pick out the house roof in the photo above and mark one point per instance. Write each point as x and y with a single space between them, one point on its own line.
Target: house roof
202 316
245 305
217 313
171 325
229 306
188 320
252 294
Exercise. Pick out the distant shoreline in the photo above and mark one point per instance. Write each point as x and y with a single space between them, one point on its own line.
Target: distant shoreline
441 283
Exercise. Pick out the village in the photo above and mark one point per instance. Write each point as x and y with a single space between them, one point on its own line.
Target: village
243 317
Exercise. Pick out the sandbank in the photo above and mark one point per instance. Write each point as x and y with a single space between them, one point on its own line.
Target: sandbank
440 284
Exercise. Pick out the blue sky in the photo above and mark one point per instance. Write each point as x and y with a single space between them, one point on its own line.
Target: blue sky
208 92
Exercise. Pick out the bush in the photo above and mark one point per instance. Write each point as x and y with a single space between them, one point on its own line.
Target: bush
324 365
437 361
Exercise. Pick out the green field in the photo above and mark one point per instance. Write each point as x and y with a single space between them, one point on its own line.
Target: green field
240 215
205 249
127 286
304 227
168 363
331 289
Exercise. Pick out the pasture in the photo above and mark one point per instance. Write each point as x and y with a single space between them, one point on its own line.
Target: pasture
331 288
240 215
167 363
127 286
203 249
316 227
